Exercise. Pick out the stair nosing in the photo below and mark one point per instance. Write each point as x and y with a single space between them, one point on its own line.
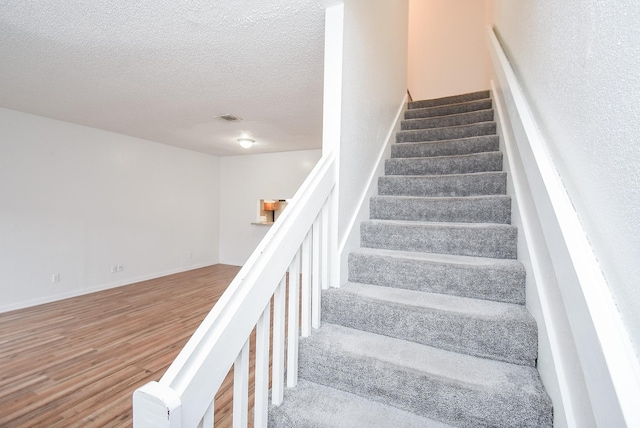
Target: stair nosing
495 152
439 258
440 198
439 302
446 127
445 103
448 224
449 140
434 176
453 104
345 400
466 113
452 360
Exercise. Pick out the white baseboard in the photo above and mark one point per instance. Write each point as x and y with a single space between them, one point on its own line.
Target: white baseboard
351 239
101 287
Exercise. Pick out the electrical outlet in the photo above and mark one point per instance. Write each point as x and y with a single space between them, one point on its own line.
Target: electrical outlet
114 268
55 277
120 268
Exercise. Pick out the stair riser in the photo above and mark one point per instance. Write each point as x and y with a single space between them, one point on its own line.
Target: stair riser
448 109
511 339
500 283
444 121
437 134
455 99
482 162
446 185
465 146
495 209
421 393
465 241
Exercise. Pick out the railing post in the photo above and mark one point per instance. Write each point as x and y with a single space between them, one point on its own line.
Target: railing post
156 406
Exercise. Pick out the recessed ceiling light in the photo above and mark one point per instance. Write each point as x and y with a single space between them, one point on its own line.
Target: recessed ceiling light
245 143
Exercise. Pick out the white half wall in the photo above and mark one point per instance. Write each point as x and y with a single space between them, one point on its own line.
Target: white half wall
447 50
586 359
75 201
578 64
374 86
246 179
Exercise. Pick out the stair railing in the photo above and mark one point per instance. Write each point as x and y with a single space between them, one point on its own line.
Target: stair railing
295 255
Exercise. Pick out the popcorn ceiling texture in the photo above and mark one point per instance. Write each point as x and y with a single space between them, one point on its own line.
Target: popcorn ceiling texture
160 70
578 62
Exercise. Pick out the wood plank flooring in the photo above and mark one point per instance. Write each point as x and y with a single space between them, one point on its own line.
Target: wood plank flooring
76 362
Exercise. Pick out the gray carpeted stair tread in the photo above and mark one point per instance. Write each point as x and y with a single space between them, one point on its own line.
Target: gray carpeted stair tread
456 164
453 99
449 120
483 328
501 280
454 388
465 239
446 133
472 184
310 404
445 110
461 146
467 209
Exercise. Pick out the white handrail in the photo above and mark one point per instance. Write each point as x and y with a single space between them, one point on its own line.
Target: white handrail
184 395
610 366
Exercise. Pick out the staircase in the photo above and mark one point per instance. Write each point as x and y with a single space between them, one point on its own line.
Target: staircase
431 329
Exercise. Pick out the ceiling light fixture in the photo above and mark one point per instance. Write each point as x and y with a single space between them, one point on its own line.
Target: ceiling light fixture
245 143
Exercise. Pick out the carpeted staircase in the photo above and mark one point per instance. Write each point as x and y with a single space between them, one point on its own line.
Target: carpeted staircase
431 330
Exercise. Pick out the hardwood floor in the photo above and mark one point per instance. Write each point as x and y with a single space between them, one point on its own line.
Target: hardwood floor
76 362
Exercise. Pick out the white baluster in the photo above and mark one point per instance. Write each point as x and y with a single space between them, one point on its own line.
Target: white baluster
241 388
306 286
292 336
277 377
262 368
207 419
315 275
333 261
325 245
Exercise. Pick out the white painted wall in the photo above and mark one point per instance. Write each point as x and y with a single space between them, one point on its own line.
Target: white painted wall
447 50
578 62
374 87
246 179
76 200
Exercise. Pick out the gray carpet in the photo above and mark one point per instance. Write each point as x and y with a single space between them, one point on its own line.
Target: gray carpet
431 330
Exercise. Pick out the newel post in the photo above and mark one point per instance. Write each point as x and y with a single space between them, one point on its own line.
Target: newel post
156 406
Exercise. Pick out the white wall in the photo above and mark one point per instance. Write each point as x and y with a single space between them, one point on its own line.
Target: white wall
246 179
374 86
578 62
447 50
75 200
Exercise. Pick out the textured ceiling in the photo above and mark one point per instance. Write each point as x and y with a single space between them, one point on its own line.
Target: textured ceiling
162 70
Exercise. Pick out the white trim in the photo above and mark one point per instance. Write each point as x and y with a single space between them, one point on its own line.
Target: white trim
537 269
351 237
610 366
102 287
